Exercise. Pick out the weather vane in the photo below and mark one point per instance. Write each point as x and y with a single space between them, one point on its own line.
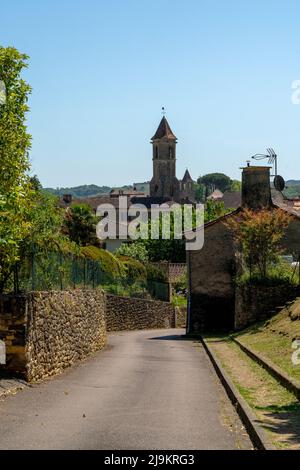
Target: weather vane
163 112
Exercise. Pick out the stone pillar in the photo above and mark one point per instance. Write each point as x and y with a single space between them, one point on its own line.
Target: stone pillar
256 191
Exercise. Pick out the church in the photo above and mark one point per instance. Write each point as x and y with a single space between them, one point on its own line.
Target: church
164 183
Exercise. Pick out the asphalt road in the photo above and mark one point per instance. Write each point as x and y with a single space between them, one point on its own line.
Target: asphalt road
147 390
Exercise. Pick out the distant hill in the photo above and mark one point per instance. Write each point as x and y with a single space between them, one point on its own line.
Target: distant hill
80 191
293 182
88 190
292 188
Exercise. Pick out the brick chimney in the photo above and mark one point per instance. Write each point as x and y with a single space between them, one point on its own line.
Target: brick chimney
256 190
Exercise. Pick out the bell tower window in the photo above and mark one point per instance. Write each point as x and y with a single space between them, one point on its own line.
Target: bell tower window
156 151
170 152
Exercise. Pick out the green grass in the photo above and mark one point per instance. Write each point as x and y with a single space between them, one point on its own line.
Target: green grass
273 339
179 300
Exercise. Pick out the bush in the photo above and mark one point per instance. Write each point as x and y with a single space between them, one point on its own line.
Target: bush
180 285
134 269
109 263
135 250
155 274
277 274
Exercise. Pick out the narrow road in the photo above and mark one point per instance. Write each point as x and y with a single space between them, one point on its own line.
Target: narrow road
147 390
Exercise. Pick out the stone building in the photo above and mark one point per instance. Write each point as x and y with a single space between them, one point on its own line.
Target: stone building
211 270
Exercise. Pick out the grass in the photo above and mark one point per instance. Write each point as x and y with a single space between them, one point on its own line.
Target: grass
277 410
179 300
273 339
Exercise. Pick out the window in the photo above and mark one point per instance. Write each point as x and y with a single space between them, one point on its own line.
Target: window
156 151
170 152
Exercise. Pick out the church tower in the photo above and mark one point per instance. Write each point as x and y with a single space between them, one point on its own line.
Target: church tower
164 183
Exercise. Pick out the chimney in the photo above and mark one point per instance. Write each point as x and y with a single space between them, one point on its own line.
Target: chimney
256 190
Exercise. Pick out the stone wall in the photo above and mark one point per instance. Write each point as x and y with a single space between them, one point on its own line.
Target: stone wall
124 313
46 332
256 303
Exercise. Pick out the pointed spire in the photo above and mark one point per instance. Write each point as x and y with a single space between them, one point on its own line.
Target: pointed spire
187 177
164 130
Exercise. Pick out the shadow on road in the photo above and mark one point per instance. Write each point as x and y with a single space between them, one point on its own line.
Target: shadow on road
170 338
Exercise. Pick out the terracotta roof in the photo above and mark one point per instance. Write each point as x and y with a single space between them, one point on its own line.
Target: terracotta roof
164 130
187 176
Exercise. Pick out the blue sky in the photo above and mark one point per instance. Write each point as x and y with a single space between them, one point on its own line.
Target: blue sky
102 70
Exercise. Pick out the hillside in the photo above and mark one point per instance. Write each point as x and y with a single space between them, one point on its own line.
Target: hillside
88 190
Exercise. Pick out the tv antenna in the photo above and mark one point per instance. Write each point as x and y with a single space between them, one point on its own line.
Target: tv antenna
270 155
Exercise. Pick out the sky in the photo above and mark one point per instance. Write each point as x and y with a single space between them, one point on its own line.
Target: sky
102 70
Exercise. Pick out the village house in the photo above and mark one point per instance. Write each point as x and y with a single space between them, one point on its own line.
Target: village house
213 297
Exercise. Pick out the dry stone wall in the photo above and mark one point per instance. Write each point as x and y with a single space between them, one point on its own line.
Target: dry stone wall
125 313
45 332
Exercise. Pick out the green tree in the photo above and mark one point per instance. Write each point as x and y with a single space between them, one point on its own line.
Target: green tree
15 189
213 210
200 192
235 185
260 234
136 250
80 224
215 181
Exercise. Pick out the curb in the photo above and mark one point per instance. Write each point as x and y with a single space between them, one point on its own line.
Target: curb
284 380
256 433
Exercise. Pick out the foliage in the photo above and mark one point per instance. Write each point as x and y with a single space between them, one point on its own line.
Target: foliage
215 181
259 234
85 190
180 285
179 300
155 274
80 224
200 192
214 210
136 250
15 188
235 185
135 270
45 219
109 263
208 183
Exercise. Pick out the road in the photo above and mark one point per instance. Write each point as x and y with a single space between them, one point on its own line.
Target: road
146 390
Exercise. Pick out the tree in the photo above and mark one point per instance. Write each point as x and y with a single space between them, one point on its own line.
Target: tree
235 185
215 181
214 210
136 250
80 224
200 192
260 234
15 189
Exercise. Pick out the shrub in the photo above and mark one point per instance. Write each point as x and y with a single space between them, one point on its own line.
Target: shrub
135 250
109 263
260 234
134 269
155 274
